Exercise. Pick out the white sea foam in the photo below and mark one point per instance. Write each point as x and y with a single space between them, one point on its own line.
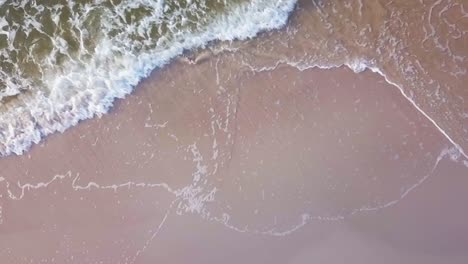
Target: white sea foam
82 90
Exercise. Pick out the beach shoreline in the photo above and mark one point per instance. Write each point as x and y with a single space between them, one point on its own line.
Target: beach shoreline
252 153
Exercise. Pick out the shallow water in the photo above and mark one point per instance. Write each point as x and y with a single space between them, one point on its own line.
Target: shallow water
251 149
420 46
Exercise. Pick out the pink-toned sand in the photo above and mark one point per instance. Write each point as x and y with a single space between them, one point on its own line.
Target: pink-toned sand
221 162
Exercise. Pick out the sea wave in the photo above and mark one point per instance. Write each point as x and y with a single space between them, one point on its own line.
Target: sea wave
80 79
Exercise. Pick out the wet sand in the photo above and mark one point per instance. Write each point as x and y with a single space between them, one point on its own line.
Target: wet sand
232 160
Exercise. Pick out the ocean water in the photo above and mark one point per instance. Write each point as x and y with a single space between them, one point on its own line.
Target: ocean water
65 61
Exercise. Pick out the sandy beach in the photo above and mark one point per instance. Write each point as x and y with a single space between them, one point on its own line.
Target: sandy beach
252 155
